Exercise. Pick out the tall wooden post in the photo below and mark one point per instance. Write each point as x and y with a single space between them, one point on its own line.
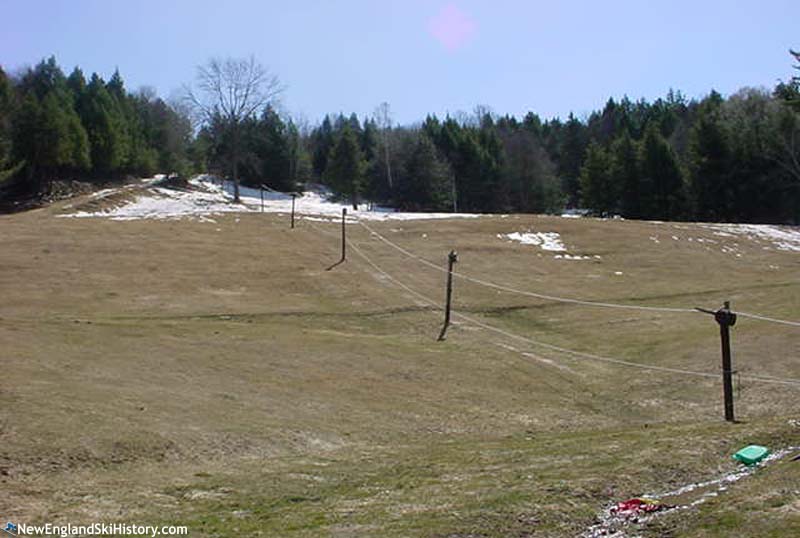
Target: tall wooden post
452 258
344 233
262 199
293 197
726 319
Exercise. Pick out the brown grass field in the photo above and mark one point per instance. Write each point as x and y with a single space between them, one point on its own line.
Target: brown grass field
215 375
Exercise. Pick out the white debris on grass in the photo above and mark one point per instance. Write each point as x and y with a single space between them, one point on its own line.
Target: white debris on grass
207 197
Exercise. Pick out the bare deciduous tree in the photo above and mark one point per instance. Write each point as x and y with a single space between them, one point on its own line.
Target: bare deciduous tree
383 118
232 90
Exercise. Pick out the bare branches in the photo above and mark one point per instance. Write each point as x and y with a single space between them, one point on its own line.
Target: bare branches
233 88
383 117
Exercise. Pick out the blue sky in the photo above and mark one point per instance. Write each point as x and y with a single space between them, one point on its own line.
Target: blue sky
420 56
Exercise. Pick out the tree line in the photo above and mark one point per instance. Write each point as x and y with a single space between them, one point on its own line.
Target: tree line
57 127
734 159
716 158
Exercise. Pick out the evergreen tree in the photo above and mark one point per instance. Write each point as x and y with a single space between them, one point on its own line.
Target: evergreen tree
625 176
300 167
47 133
7 108
322 140
662 189
77 85
106 128
710 166
274 152
598 192
344 172
572 148
426 182
50 139
529 172
165 135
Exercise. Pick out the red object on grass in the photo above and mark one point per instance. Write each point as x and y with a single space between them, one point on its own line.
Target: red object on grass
637 506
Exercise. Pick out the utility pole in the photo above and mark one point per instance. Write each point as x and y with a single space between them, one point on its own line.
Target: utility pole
293 197
452 258
726 319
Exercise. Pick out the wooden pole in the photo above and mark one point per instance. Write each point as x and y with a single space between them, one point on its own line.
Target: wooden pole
452 258
293 197
344 233
262 199
726 319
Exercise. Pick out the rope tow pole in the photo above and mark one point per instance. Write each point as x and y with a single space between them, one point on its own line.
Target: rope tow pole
562 299
578 354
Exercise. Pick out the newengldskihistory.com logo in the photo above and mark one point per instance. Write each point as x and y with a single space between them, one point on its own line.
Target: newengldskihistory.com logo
93 529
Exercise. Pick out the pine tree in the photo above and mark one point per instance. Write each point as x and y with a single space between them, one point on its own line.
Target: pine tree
299 159
273 151
426 181
47 133
322 140
493 187
572 147
528 171
710 164
344 172
662 190
625 176
7 107
597 189
106 128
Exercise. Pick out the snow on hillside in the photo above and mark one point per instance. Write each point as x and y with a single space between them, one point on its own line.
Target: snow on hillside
207 197
779 237
549 241
545 240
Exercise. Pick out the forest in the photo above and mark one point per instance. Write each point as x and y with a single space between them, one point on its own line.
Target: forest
732 158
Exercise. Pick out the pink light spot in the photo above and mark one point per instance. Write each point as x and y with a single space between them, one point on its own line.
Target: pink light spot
452 27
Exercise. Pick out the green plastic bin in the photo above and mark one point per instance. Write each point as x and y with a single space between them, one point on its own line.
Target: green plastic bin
752 454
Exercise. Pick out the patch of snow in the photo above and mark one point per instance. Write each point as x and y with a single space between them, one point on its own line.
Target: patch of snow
545 240
571 257
102 193
785 238
209 197
574 213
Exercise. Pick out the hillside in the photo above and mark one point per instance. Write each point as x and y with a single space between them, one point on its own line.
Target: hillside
169 356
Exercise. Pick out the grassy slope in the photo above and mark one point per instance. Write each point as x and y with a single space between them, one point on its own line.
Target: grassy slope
217 375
